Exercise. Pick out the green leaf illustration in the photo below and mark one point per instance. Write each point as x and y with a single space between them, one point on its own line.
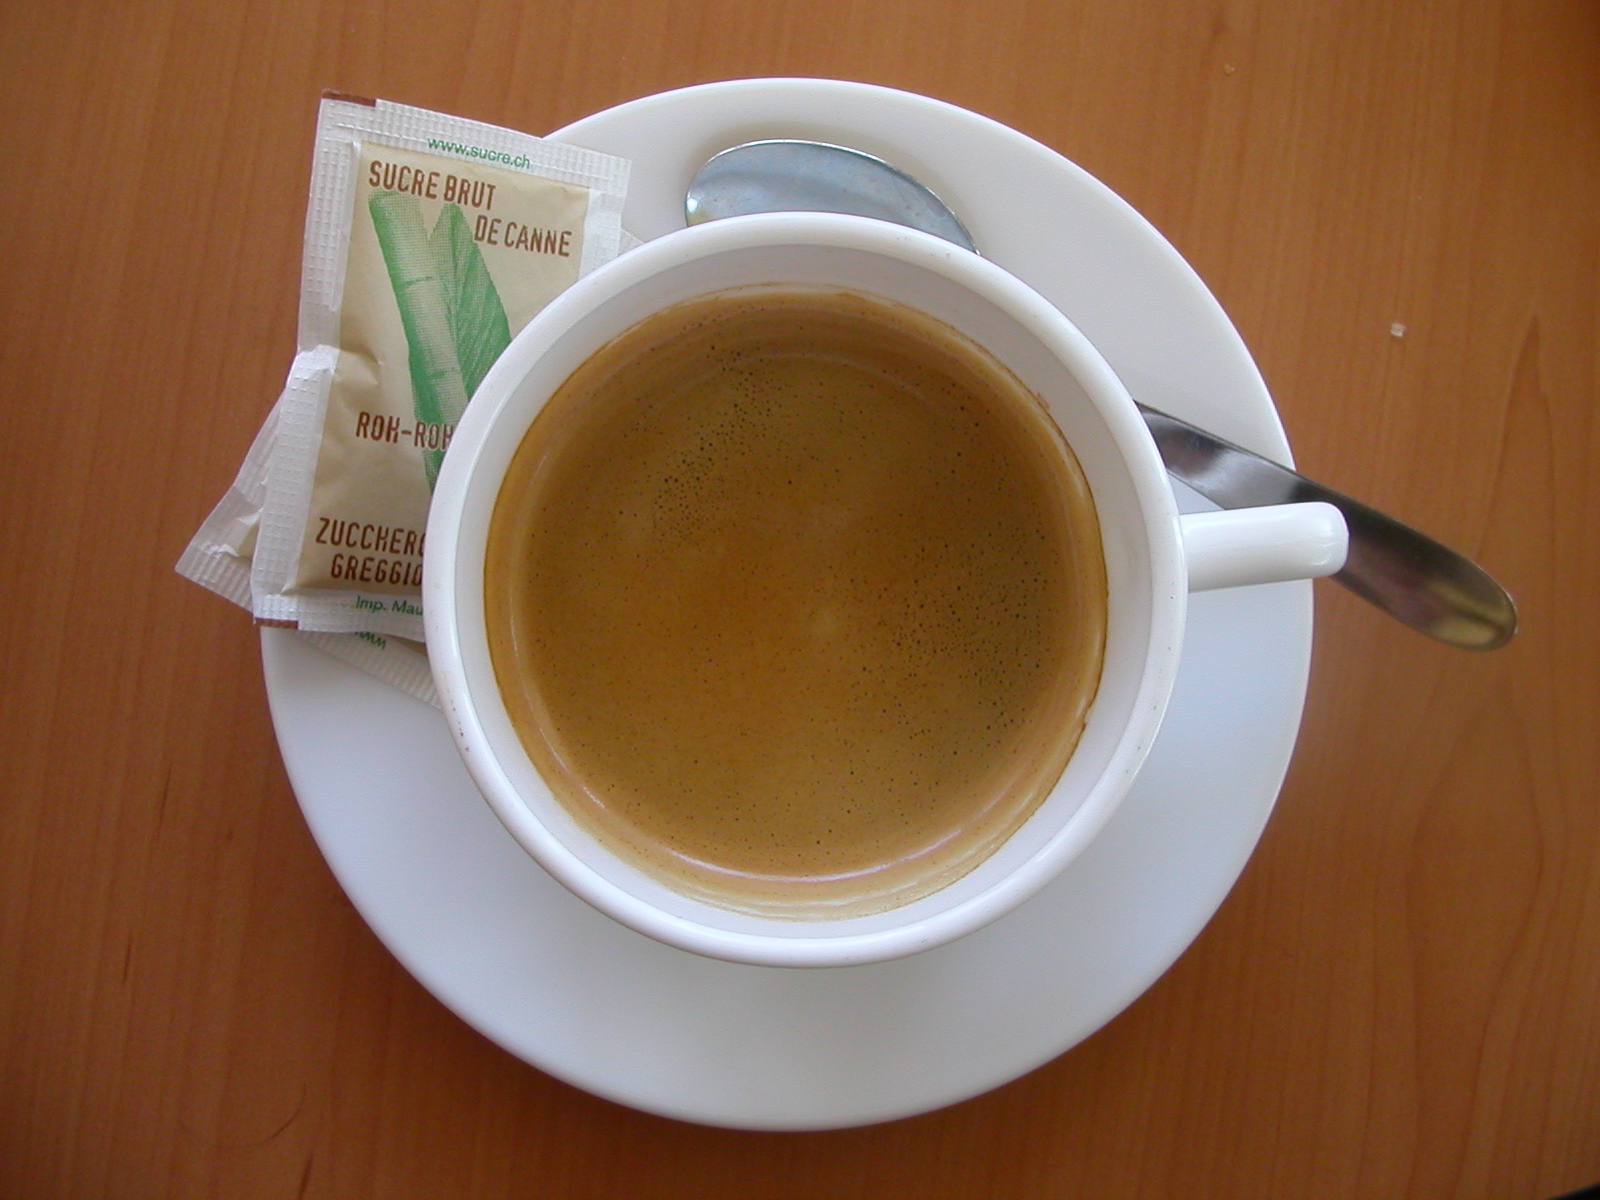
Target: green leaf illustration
477 318
454 321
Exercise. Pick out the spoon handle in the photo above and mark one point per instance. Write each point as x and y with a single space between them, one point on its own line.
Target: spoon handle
1404 572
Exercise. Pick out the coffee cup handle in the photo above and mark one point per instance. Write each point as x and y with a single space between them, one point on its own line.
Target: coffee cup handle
1263 545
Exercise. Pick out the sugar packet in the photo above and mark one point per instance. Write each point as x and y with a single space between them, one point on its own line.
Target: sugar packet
430 241
222 554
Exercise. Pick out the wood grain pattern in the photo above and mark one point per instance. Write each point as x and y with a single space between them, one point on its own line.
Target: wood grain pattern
1401 998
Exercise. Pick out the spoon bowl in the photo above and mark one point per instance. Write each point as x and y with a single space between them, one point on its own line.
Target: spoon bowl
784 175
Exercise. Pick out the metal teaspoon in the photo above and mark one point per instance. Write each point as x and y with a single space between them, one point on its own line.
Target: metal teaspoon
1404 572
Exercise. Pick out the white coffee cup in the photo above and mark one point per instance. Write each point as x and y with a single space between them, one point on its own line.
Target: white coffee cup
1154 558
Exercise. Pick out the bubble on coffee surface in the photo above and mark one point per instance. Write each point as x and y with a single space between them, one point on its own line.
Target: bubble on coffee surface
797 601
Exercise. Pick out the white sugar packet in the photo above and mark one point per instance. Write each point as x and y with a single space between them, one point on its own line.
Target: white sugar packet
219 558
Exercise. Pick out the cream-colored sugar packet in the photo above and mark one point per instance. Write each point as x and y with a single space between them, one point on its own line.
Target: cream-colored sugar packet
430 241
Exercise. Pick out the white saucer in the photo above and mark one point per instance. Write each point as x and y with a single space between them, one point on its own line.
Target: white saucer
536 970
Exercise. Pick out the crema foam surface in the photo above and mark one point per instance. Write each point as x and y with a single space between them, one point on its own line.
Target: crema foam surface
797 601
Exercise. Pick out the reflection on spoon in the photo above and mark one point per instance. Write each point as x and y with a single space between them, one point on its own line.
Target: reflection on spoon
791 176
1404 572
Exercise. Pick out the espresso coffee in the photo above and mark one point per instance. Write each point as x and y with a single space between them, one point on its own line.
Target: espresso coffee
797 601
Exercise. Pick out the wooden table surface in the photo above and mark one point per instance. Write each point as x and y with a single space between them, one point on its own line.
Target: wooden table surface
1400 998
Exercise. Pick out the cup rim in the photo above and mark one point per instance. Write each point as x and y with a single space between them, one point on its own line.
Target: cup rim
452 583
